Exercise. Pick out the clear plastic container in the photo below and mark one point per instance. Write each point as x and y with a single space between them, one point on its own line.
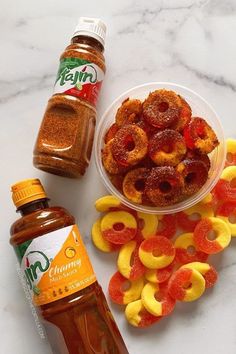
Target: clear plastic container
201 108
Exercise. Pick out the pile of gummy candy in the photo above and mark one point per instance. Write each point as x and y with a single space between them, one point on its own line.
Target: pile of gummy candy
164 258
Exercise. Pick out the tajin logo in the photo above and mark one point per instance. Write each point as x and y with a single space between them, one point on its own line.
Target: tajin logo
74 76
32 271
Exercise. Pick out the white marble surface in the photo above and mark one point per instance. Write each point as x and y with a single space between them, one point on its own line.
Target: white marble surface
184 41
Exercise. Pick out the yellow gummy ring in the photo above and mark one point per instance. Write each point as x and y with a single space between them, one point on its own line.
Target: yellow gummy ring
203 210
149 301
133 311
222 230
197 287
184 241
154 262
124 257
114 217
134 292
150 224
229 173
231 146
98 239
199 266
231 226
105 203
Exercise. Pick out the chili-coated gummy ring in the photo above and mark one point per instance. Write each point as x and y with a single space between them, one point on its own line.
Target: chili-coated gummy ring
99 241
194 174
193 155
147 223
167 148
164 186
160 275
227 212
156 252
161 307
111 132
186 250
200 136
162 108
130 145
188 219
185 115
138 316
208 272
129 264
167 225
109 163
129 112
134 184
118 227
202 234
117 290
231 152
186 285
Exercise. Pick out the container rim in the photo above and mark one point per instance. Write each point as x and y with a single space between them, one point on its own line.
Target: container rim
192 200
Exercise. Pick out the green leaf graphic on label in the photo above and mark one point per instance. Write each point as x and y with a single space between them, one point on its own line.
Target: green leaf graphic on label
36 290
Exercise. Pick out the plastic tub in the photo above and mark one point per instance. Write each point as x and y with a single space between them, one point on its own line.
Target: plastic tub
201 108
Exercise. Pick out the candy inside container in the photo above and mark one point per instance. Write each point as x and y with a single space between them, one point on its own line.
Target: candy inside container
175 106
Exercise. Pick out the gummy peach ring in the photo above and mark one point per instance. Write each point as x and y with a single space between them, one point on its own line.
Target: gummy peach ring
208 272
226 212
99 241
118 227
107 202
119 294
130 145
167 148
202 233
186 250
109 163
161 307
129 112
130 270
225 188
189 218
231 152
156 252
186 285
148 224
138 316
160 275
168 225
134 184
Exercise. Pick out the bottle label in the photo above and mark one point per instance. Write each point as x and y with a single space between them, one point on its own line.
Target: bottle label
55 265
80 78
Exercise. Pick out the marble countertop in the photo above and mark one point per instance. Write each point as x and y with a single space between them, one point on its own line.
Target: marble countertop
184 41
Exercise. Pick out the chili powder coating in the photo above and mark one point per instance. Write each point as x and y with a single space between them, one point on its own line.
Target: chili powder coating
65 139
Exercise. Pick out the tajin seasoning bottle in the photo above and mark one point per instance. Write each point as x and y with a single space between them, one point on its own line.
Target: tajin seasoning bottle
65 138
60 277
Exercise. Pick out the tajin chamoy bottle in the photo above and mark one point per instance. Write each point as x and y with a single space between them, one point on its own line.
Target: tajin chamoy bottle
59 275
65 138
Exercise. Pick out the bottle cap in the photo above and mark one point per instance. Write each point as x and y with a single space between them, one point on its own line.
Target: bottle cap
92 27
27 191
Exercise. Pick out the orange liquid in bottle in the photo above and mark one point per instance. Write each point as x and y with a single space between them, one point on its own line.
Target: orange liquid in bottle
68 298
